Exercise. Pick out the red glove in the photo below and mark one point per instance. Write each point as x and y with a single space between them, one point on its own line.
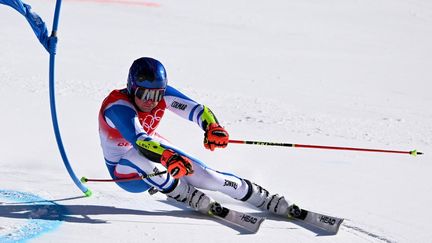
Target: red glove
215 137
177 165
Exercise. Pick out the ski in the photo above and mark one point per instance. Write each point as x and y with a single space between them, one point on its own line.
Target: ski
327 223
240 219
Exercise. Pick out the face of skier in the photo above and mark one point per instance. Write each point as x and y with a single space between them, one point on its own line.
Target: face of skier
148 99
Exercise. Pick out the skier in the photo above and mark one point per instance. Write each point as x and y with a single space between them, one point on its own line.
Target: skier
128 119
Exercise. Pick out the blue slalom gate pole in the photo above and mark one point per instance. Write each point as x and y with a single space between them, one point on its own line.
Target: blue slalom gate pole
52 43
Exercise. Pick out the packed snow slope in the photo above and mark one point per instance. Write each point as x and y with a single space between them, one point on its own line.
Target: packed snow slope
339 72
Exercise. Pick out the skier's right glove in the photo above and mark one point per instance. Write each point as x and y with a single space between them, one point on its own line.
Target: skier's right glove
177 165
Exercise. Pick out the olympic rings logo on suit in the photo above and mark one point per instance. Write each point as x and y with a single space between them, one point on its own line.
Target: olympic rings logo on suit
150 122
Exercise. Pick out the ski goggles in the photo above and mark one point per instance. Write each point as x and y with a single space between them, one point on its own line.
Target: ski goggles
145 94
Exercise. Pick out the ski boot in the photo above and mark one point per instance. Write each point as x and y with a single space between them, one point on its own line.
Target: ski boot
192 197
261 198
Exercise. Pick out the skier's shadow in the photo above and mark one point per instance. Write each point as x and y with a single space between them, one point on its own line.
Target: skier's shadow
49 210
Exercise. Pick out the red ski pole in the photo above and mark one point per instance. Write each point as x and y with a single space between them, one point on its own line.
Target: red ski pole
85 179
412 152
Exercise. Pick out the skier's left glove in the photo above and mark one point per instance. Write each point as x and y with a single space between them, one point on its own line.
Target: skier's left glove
177 165
215 137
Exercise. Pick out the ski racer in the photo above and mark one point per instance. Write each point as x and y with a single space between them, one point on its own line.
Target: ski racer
128 119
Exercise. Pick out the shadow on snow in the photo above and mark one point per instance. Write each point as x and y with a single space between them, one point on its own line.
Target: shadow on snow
49 210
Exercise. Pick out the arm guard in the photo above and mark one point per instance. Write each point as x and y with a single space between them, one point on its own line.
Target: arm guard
150 149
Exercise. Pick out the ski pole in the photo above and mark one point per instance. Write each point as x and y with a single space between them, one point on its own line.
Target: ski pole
85 179
412 152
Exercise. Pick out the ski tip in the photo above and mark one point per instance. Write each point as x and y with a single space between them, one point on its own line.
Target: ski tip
338 226
260 221
249 224
257 227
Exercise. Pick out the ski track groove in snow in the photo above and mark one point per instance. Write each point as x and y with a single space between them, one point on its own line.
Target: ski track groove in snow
365 233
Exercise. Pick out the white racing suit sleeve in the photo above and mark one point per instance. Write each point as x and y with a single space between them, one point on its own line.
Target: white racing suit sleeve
187 108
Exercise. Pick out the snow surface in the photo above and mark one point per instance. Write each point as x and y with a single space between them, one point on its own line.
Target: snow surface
338 72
